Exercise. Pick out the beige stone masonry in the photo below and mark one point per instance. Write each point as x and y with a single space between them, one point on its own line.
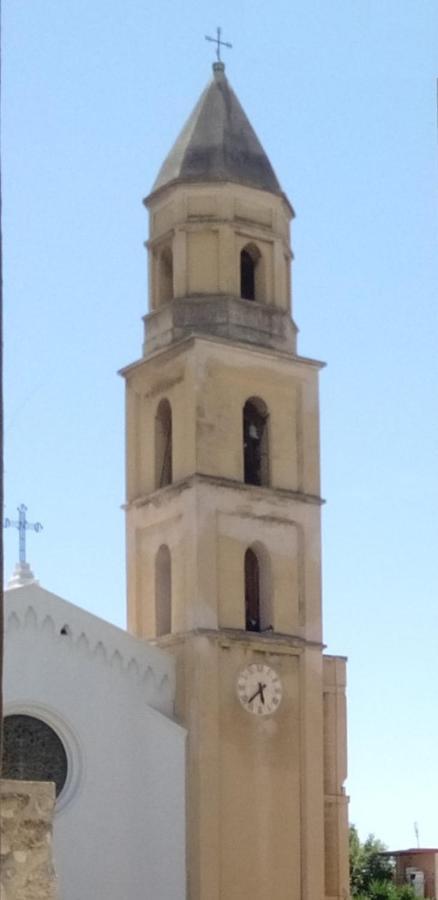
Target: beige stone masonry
335 773
197 233
266 806
27 871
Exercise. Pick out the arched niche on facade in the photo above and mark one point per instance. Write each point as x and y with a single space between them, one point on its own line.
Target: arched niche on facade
258 589
252 274
163 591
163 444
256 464
165 275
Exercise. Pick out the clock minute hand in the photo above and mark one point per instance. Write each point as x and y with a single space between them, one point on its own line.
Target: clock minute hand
255 695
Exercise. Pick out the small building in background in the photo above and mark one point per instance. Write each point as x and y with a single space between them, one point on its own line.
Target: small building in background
417 867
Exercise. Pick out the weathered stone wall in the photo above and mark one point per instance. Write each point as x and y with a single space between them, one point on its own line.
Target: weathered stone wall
27 871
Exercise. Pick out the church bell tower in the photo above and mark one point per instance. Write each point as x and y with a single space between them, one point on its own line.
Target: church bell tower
223 521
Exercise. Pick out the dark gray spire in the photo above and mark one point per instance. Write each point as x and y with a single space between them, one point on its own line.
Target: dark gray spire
218 143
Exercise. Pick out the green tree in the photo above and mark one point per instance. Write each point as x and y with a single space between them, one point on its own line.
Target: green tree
371 874
386 890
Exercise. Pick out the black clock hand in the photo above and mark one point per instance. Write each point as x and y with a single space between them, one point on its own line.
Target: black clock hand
259 690
254 695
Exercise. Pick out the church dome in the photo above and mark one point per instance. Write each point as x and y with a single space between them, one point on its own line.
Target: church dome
218 144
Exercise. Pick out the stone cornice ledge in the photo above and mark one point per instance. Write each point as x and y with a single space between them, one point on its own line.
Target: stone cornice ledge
179 345
258 491
268 641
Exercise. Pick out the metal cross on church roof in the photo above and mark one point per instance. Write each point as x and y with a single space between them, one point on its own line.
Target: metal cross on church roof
23 525
218 42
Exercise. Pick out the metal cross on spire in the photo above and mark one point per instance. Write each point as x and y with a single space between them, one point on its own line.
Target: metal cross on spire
218 42
23 525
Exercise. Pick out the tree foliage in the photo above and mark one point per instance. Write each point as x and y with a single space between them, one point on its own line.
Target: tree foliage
371 874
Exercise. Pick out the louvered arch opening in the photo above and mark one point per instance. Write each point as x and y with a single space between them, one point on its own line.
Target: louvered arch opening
163 444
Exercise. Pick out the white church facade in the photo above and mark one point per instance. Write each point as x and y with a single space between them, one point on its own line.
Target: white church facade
202 754
110 743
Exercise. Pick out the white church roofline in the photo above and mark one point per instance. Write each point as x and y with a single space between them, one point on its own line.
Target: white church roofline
30 606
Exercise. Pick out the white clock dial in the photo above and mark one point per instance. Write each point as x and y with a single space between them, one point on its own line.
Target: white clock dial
259 689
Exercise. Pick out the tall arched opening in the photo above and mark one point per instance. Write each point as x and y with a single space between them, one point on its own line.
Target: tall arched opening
252 591
251 274
165 275
163 444
255 442
163 591
258 589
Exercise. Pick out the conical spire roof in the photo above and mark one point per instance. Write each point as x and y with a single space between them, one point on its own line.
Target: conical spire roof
218 143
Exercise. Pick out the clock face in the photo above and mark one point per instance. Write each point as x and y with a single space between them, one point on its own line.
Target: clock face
259 689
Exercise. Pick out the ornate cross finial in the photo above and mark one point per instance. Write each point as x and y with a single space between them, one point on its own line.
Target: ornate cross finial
218 42
23 525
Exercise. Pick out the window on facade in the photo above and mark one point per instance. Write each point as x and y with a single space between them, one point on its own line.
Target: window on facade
163 444
255 442
32 751
165 274
163 591
251 273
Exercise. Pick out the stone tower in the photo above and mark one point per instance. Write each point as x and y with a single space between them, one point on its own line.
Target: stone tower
223 521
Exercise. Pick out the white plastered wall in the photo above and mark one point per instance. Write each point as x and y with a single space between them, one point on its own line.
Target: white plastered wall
119 827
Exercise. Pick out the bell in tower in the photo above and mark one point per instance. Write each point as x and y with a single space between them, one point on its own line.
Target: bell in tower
223 521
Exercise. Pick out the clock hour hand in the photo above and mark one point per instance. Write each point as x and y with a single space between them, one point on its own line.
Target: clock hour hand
259 690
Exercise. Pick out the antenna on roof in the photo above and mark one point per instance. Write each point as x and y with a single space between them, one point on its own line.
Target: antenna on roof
417 833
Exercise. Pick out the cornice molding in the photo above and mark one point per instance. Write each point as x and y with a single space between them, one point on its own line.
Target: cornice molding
184 343
258 491
266 642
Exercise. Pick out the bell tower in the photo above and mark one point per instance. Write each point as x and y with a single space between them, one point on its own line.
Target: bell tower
223 521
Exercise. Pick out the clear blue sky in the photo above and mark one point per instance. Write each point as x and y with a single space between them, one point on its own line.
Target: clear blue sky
343 97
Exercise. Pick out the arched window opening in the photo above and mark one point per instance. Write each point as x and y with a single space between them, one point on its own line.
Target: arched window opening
255 442
252 591
163 591
258 590
165 270
251 286
163 444
247 276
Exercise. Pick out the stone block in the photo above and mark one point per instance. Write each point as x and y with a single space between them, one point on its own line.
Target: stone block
27 871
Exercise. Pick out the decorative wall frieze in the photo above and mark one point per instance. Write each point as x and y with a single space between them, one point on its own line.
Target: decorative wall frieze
81 633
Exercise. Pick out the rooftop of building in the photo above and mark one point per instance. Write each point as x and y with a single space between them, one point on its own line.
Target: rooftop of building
410 851
218 143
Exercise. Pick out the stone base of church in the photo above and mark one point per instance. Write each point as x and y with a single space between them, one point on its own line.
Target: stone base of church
27 871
